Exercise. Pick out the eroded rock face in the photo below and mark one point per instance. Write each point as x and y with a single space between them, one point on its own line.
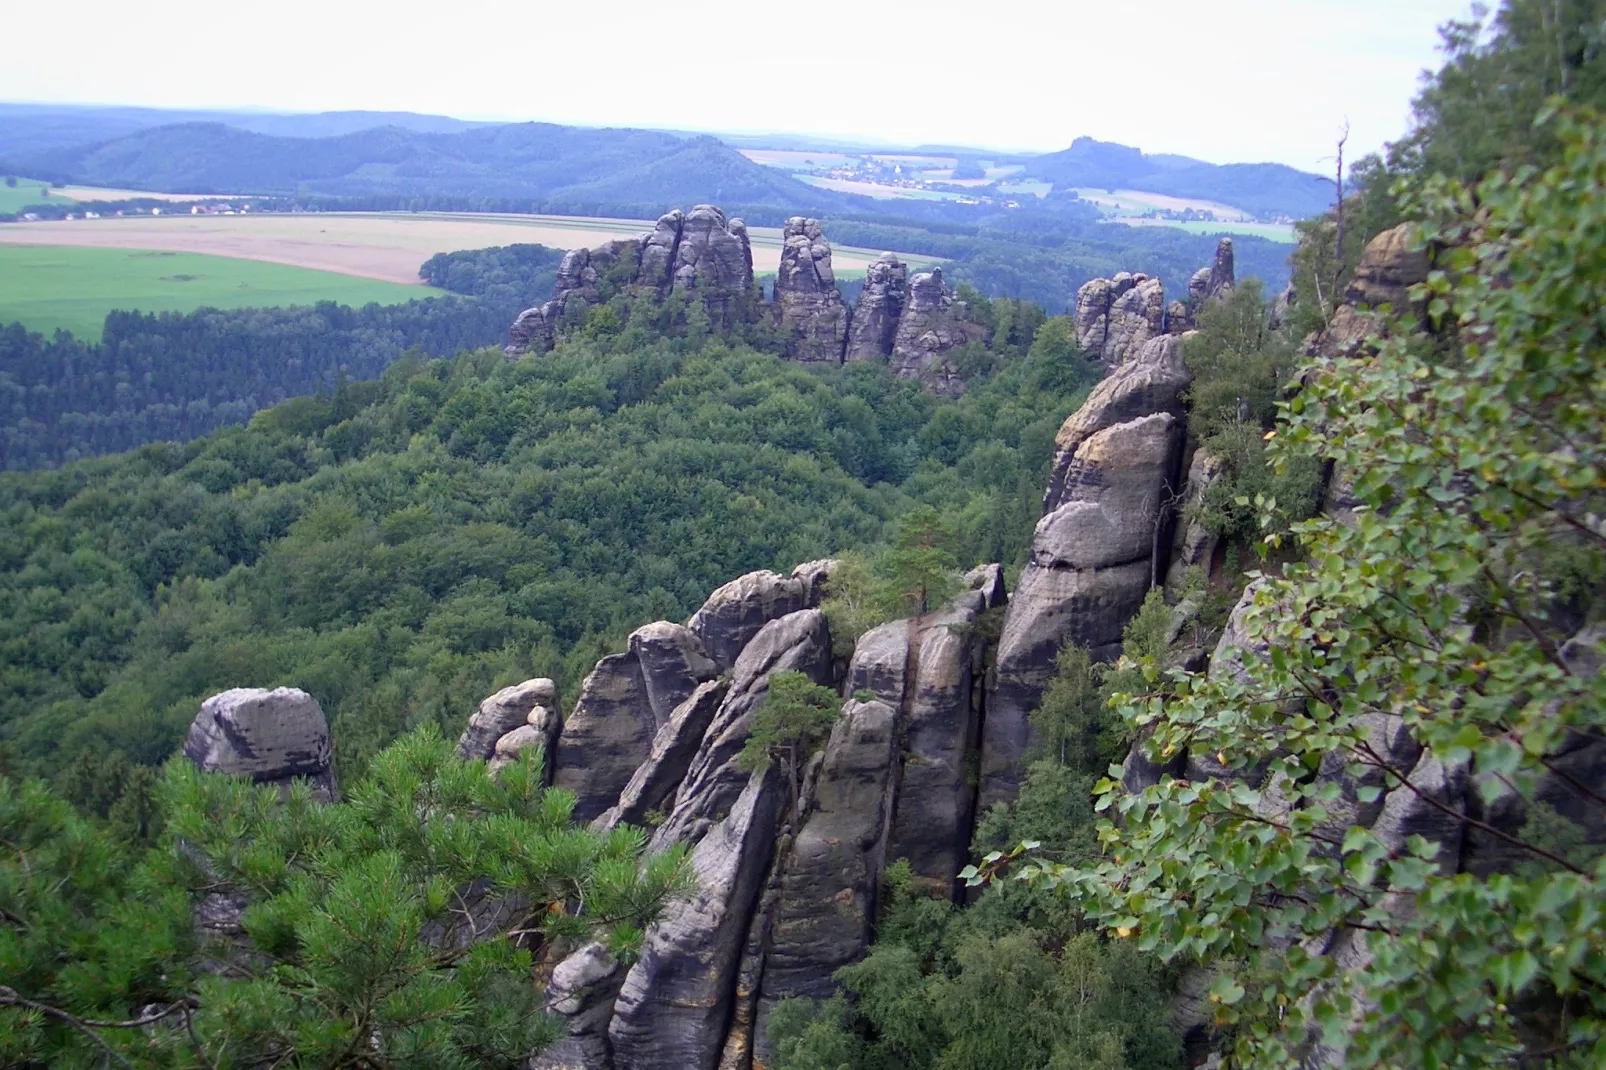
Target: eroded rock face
1092 558
1116 318
672 1011
714 261
934 322
1195 545
272 737
797 642
809 309
736 612
534 331
622 705
1208 283
582 991
827 890
1387 270
655 780
941 734
503 712
874 325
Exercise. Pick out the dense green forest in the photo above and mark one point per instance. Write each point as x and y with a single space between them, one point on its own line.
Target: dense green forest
404 546
175 377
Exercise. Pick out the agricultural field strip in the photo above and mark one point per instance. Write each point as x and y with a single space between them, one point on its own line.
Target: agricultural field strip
378 245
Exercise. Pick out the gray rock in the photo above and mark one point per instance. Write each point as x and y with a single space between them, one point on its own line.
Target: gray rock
798 642
673 748
540 734
809 310
582 991
874 324
1116 318
534 331
934 322
269 736
621 707
1195 546
676 1001
735 613
1092 556
880 663
941 734
1153 382
828 881
713 260
500 714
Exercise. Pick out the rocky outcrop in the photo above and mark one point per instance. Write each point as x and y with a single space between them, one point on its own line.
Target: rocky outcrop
1383 278
700 252
622 705
508 709
273 737
809 310
1208 283
1116 318
582 991
797 642
655 780
934 322
673 1009
825 902
1195 545
879 308
736 612
1096 551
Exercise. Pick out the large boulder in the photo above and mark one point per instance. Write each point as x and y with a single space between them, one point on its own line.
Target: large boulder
273 737
1093 552
503 712
934 322
1388 268
825 904
673 1010
582 992
809 310
713 261
534 331
622 704
735 613
874 325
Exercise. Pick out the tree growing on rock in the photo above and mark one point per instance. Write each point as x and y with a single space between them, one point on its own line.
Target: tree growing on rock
795 718
920 570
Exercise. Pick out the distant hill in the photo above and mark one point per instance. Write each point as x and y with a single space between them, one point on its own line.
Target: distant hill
1264 189
27 129
563 166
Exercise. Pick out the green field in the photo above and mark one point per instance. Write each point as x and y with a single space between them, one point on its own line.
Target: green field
51 286
26 192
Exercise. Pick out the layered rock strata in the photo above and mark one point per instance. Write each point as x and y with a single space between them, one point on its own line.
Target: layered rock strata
1099 547
273 737
809 310
1116 318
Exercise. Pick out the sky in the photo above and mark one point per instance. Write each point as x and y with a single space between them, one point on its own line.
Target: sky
1222 80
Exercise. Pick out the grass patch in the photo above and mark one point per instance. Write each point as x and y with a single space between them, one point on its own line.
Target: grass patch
27 191
48 287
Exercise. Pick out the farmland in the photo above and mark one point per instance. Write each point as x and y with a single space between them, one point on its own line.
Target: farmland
27 191
50 287
379 245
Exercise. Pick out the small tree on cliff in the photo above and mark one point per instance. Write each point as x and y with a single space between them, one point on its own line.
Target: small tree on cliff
796 716
920 571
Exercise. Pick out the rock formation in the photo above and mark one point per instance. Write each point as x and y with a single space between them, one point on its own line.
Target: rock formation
934 322
273 737
809 310
1208 283
622 705
734 613
874 326
1116 318
1195 545
1094 553
509 709
700 252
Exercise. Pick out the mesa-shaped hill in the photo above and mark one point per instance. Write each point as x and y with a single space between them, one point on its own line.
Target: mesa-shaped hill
1261 188
560 164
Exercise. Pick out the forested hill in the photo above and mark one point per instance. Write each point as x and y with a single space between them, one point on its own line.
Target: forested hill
403 547
561 166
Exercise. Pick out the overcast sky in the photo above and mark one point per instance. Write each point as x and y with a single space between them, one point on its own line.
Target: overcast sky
1223 80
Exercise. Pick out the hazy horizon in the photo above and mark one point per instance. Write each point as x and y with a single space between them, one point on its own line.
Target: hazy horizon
1233 81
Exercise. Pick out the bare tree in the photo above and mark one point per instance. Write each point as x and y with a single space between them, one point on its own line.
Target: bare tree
1338 211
